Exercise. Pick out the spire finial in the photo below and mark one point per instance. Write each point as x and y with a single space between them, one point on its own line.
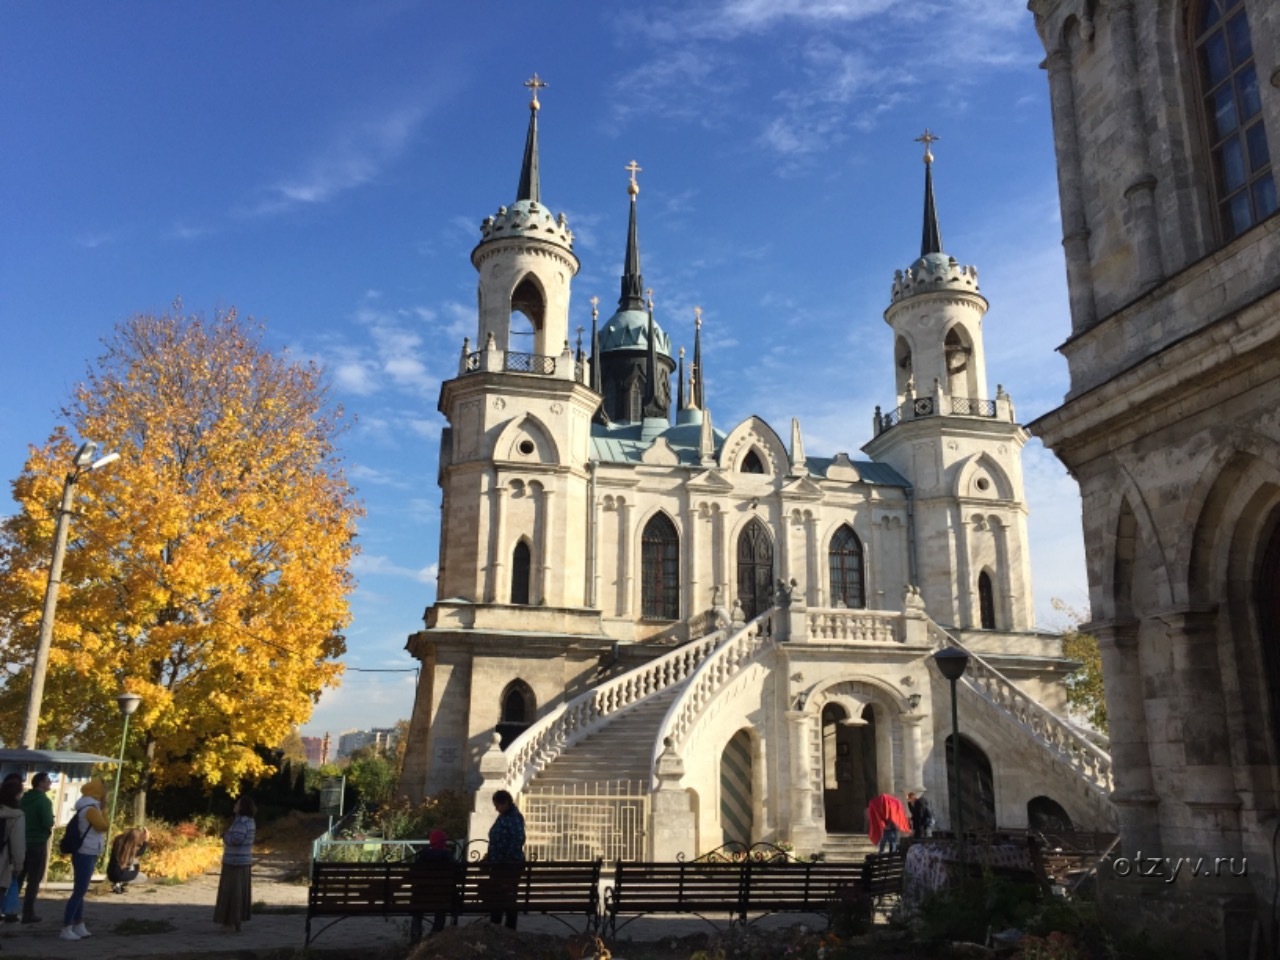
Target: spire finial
595 307
597 377
697 318
535 83
931 234
530 188
697 390
633 188
927 139
648 296
631 297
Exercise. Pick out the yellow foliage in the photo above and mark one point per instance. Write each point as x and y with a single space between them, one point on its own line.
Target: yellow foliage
208 568
183 862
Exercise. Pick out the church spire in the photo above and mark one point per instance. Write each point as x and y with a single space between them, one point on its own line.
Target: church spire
699 398
530 186
931 235
632 281
680 383
595 346
651 356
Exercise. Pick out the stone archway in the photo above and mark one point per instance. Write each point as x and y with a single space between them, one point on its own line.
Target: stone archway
737 807
849 767
977 786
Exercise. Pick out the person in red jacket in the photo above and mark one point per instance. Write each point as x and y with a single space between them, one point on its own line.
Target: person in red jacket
886 822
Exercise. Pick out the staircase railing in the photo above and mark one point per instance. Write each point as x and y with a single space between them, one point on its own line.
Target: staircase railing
716 670
533 750
1064 742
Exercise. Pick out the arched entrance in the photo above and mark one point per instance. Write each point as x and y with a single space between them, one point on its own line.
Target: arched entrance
1047 816
737 817
1267 601
977 786
755 570
848 767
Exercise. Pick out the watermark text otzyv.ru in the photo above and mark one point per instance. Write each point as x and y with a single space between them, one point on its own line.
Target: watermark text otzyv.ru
1168 868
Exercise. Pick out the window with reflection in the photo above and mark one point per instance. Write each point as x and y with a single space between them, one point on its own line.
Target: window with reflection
1243 185
845 558
660 569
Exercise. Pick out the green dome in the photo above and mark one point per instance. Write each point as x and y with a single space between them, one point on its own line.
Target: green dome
629 330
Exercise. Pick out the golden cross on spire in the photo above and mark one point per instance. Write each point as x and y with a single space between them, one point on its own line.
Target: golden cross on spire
697 317
633 168
535 84
928 139
595 307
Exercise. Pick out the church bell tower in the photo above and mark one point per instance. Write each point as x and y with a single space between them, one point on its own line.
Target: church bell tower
958 446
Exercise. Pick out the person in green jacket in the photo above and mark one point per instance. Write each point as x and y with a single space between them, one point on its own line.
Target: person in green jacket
38 810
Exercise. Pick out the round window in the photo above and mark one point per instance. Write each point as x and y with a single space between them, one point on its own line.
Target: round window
526 447
983 483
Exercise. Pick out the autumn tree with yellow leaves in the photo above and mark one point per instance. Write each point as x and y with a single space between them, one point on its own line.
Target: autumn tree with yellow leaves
208 569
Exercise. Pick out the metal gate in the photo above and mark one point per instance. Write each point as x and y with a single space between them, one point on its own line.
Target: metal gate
583 821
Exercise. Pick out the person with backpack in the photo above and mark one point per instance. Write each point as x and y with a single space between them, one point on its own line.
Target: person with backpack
83 842
38 810
13 833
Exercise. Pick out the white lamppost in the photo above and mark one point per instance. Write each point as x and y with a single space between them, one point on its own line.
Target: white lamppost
84 461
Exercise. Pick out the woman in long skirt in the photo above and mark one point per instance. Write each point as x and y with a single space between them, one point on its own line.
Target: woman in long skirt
235 893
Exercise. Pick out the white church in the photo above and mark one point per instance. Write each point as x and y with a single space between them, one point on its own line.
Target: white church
662 635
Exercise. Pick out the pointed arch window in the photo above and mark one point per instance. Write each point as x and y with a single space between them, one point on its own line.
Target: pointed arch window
986 601
635 401
752 463
518 708
1231 100
528 301
845 559
660 570
521 565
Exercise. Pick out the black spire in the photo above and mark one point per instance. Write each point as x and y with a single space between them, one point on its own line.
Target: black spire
596 384
699 395
632 281
650 361
931 235
680 384
530 188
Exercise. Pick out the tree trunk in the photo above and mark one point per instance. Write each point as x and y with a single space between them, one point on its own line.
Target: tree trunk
144 783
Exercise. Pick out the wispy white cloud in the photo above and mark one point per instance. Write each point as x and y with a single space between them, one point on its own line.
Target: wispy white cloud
376 565
91 240
353 156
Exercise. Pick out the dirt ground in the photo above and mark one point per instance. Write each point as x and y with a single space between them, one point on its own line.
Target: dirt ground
175 921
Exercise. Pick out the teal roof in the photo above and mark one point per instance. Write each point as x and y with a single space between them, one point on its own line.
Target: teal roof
629 330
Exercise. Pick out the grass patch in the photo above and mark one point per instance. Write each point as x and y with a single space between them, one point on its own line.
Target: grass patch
135 928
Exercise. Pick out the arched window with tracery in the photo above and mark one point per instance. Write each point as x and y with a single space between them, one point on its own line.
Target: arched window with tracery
521 564
986 602
1227 78
660 569
845 559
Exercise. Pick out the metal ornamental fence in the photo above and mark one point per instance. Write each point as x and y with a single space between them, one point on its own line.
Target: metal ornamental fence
586 821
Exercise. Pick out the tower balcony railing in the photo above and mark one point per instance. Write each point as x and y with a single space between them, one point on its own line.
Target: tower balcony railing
917 408
493 360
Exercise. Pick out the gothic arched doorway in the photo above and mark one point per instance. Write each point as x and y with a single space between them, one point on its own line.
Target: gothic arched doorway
1047 816
848 768
977 786
755 570
737 816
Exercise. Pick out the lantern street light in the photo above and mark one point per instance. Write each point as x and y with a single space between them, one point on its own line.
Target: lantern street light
83 461
951 664
128 704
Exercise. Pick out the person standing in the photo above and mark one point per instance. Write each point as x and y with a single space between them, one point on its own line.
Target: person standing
235 889
506 853
921 816
14 834
10 889
37 809
886 821
91 824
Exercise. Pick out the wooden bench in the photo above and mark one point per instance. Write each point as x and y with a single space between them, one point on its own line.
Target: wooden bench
344 890
734 888
882 876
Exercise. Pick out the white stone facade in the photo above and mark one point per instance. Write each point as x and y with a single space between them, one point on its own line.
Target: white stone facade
607 586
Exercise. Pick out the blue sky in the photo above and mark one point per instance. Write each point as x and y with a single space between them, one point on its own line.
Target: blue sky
324 167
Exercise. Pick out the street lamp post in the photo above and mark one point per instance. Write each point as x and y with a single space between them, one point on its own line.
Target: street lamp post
83 461
951 664
128 703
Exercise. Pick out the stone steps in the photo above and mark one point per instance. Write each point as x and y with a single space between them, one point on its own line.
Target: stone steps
621 750
847 846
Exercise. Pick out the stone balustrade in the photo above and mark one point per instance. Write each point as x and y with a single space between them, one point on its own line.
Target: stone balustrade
726 662
1068 745
564 726
843 625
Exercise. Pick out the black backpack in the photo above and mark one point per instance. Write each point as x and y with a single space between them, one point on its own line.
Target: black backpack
71 837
